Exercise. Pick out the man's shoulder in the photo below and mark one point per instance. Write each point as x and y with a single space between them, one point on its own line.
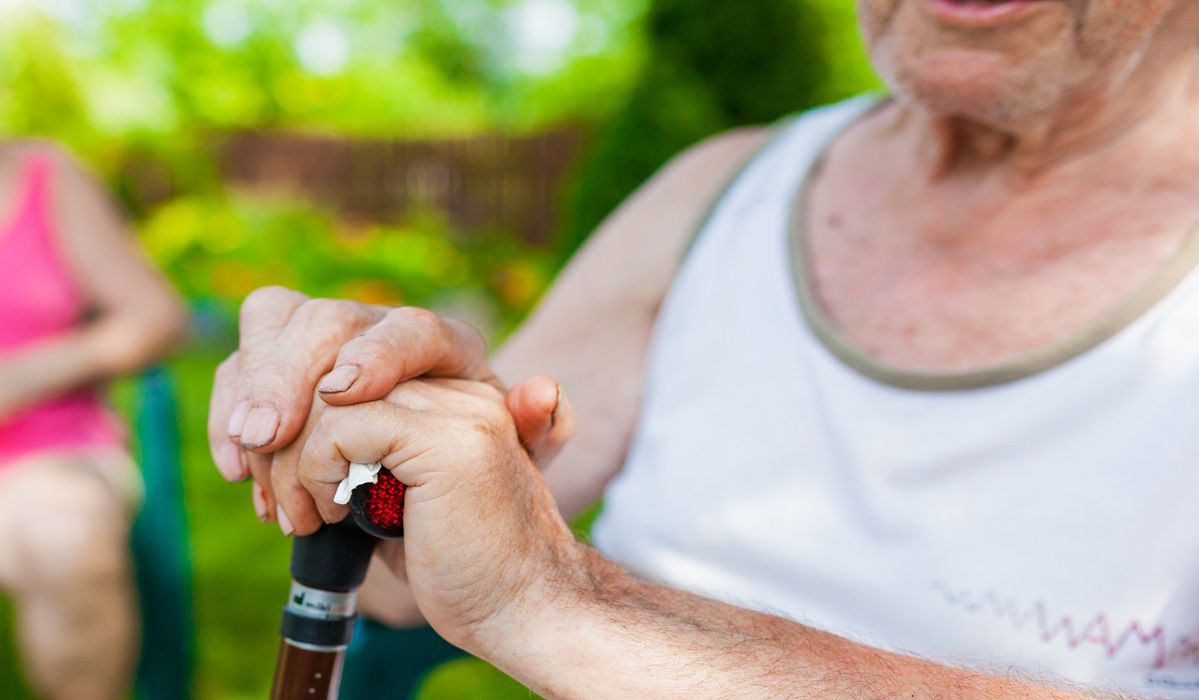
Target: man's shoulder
661 219
715 160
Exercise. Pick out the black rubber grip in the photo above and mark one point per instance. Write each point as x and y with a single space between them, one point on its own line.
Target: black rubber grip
334 558
324 633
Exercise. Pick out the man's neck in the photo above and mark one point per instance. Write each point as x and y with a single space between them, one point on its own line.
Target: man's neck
1143 115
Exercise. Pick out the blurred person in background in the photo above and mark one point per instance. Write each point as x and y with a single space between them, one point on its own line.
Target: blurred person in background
79 305
915 410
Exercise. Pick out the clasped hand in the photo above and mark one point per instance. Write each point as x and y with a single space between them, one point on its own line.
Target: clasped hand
317 384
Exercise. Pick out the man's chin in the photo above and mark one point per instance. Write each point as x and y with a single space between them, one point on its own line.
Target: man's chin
975 85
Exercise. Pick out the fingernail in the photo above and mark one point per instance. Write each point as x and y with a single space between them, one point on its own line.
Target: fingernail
261 425
260 503
340 379
229 463
557 413
237 419
284 523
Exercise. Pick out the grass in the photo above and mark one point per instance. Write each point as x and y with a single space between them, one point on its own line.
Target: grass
240 577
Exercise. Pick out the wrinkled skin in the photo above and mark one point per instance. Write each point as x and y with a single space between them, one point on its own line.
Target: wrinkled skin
1028 177
481 532
297 354
1064 55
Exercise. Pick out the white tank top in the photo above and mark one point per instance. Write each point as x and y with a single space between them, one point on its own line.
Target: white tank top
1042 518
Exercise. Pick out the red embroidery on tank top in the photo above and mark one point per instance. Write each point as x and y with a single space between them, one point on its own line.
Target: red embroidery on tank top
1097 630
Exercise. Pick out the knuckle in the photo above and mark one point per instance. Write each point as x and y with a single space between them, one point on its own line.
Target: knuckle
481 428
305 480
267 300
308 476
284 483
415 316
492 395
369 349
323 312
474 437
283 464
486 412
280 480
270 379
329 424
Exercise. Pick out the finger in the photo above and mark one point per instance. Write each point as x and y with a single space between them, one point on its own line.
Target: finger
259 500
263 315
283 382
225 453
441 394
259 467
407 343
364 434
543 416
532 405
297 512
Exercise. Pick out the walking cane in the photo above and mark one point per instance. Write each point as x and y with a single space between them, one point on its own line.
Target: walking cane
327 567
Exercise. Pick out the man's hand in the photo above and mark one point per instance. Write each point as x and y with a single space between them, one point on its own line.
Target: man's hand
483 542
293 348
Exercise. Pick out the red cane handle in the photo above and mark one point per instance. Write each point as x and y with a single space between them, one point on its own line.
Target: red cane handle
378 508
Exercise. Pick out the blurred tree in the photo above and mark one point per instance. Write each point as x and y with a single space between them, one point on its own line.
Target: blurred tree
710 67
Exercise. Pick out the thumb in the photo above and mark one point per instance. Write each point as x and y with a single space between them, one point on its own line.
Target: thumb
543 416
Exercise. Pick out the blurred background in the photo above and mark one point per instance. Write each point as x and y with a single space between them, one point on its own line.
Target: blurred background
441 153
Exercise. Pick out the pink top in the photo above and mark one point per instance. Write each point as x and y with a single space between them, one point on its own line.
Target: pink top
40 301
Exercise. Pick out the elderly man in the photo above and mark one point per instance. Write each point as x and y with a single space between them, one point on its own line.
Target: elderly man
912 416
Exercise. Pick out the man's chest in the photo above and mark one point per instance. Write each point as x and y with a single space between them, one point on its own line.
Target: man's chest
915 300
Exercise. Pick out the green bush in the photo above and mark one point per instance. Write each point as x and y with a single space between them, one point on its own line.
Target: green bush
712 67
221 248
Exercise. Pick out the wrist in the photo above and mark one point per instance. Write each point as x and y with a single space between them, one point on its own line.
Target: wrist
537 633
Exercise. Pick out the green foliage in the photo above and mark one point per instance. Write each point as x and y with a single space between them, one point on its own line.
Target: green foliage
222 248
413 67
711 67
159 82
12 680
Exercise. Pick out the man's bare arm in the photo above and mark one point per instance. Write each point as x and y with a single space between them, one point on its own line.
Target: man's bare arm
609 634
592 331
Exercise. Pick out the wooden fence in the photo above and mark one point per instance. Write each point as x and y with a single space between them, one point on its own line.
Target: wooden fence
480 182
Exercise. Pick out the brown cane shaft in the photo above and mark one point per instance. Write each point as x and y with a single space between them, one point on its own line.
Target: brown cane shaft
306 674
